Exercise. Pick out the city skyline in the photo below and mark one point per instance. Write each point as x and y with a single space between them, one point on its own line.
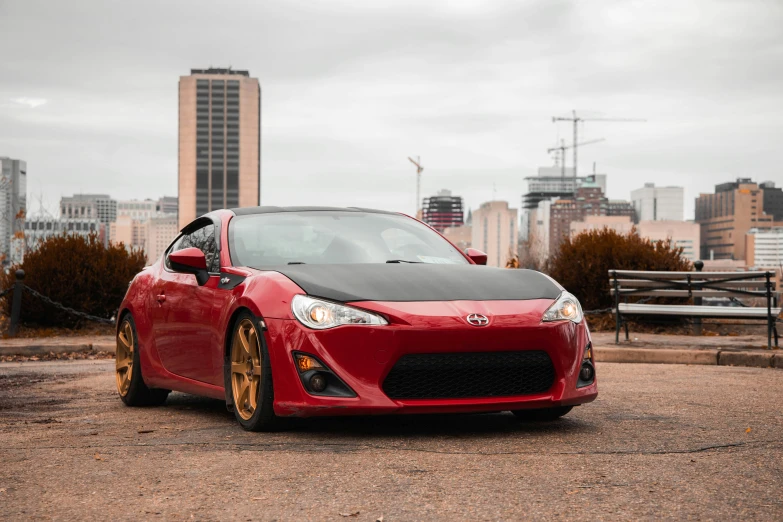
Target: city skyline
469 87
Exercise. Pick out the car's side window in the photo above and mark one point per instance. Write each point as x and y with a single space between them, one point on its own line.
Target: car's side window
174 248
204 239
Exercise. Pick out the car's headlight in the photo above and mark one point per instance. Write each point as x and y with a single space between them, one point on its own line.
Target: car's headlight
320 314
566 308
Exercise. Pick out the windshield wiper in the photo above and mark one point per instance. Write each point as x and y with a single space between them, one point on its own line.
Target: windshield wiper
296 262
401 261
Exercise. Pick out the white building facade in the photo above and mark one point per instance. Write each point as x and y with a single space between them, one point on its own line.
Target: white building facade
653 203
41 228
764 248
13 209
137 209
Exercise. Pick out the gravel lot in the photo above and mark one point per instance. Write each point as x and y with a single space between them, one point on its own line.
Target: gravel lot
661 441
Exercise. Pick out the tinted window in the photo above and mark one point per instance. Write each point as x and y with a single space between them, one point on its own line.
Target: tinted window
325 237
203 239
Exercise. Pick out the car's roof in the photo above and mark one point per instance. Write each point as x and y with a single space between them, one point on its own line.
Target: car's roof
245 211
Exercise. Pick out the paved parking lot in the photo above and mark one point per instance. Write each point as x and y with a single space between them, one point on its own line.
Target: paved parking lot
662 441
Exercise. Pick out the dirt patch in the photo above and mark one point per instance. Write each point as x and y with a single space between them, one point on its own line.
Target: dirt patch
15 393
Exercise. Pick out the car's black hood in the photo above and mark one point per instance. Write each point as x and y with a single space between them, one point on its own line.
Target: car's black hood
419 282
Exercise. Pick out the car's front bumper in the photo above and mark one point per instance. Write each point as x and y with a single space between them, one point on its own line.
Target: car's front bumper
363 356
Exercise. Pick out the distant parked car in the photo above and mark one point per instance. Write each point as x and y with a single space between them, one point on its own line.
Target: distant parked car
286 312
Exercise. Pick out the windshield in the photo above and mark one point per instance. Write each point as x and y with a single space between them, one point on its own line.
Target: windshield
330 237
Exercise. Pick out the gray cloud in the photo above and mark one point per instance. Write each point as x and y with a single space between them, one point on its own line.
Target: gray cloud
350 89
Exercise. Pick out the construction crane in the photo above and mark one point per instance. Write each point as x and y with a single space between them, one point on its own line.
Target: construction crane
561 152
576 119
419 170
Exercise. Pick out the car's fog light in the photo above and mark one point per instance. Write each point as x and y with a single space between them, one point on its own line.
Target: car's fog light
305 363
586 373
318 382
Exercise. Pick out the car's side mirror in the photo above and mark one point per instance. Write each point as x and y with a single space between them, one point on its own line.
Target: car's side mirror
477 256
190 261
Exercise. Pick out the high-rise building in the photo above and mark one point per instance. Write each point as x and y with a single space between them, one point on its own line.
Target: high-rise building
538 236
461 236
726 217
620 224
495 232
41 228
619 207
685 234
167 205
13 207
658 203
773 200
552 183
161 231
137 209
219 141
100 206
764 248
442 210
588 201
128 231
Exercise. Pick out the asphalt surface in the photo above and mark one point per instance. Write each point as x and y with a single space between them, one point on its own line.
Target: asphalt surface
661 442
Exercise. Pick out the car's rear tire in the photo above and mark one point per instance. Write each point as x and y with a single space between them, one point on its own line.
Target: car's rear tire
250 376
542 414
130 382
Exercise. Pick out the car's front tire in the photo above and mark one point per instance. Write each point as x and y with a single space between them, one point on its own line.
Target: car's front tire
250 376
130 383
542 414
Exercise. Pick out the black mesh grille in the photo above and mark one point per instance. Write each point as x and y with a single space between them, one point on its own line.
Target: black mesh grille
474 374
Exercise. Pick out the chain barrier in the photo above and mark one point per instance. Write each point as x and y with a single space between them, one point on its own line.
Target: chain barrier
6 292
66 309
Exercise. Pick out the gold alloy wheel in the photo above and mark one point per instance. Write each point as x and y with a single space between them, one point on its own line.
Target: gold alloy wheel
245 368
124 357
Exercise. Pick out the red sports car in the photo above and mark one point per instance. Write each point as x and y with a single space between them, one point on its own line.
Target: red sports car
302 311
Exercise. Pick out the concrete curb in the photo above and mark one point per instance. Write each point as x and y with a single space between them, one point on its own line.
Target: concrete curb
655 356
684 356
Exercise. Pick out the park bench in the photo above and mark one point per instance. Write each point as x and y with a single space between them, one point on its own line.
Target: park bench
694 285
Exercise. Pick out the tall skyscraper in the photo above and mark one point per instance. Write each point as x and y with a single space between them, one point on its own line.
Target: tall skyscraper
550 184
100 206
13 207
727 215
442 211
167 205
658 203
495 232
219 141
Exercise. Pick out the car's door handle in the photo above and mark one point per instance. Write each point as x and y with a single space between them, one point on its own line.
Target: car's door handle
161 298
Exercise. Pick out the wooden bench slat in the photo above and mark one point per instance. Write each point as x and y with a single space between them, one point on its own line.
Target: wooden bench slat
696 311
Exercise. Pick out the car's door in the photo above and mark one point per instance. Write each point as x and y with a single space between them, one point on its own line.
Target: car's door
186 336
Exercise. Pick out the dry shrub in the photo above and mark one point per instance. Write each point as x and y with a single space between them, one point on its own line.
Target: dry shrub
582 263
80 273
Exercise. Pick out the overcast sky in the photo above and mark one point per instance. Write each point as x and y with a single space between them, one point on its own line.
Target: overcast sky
88 93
